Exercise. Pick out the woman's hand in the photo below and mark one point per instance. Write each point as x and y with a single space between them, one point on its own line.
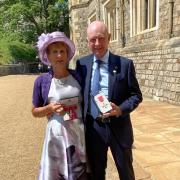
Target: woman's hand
48 110
56 108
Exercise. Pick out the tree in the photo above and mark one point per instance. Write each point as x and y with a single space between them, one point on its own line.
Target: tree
25 20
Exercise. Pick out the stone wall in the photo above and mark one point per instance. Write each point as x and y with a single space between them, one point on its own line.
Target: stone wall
156 53
158 70
78 24
18 69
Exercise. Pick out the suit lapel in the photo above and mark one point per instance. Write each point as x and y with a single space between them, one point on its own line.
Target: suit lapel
88 64
114 68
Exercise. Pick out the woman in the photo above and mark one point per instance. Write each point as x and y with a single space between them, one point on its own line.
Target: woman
56 95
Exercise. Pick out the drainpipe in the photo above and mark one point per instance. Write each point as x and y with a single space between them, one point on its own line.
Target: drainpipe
98 9
122 24
171 8
118 20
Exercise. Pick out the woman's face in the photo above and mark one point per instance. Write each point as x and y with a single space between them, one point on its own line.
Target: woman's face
57 54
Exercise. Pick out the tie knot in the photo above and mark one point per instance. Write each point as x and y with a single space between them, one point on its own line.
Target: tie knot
98 61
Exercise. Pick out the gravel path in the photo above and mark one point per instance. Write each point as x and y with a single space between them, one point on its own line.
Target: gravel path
21 135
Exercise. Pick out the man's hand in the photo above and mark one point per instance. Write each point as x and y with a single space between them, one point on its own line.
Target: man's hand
116 111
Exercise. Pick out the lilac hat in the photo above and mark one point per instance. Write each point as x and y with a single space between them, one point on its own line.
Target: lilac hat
46 39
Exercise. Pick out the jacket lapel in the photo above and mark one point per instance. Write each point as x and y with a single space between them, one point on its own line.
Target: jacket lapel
88 64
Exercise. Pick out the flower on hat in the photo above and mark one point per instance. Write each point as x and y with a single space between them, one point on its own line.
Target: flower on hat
42 39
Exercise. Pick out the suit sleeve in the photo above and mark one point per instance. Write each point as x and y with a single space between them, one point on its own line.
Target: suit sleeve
135 95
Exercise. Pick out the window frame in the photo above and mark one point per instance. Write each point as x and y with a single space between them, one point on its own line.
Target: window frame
92 17
139 15
108 7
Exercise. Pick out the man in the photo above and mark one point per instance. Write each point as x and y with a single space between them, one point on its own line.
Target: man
119 84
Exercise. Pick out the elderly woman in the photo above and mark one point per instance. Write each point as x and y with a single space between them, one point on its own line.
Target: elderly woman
56 95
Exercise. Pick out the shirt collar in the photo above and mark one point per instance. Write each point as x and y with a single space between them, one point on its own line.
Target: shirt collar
104 58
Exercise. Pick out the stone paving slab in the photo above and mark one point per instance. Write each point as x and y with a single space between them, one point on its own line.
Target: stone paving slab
173 135
111 172
146 140
155 155
167 171
174 148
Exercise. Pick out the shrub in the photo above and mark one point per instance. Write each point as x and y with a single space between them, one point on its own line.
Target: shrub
15 51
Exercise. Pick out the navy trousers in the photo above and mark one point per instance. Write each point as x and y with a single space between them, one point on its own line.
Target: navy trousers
98 138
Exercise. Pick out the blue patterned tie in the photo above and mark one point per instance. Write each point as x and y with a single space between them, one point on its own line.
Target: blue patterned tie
95 89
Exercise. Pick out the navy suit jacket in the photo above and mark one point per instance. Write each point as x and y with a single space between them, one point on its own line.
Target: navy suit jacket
123 90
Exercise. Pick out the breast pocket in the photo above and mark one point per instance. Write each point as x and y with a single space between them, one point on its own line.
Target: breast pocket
120 85
119 77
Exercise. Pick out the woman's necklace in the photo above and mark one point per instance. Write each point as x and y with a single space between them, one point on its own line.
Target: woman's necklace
61 78
62 81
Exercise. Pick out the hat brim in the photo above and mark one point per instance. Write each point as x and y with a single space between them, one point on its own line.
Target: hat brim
71 49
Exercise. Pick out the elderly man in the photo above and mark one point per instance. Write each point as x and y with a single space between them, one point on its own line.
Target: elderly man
114 78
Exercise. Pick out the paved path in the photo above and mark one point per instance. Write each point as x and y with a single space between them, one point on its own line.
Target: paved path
156 127
157 139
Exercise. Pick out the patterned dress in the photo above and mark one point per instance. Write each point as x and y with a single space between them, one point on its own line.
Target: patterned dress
63 156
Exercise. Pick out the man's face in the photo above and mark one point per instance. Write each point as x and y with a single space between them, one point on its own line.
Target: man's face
98 40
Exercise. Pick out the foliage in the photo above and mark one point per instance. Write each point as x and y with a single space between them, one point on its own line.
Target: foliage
28 19
14 52
24 20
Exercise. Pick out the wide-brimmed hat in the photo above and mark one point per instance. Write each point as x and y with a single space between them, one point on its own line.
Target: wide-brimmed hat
46 39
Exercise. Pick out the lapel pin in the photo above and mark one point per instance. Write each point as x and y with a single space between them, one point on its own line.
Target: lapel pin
115 70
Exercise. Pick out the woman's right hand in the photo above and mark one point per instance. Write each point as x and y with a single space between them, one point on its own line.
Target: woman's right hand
57 108
48 110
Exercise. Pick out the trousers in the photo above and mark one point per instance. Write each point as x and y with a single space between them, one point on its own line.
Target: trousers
99 138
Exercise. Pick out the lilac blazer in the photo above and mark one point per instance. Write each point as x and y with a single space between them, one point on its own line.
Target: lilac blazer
42 86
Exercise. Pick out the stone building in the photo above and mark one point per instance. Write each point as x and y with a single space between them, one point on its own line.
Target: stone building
146 31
